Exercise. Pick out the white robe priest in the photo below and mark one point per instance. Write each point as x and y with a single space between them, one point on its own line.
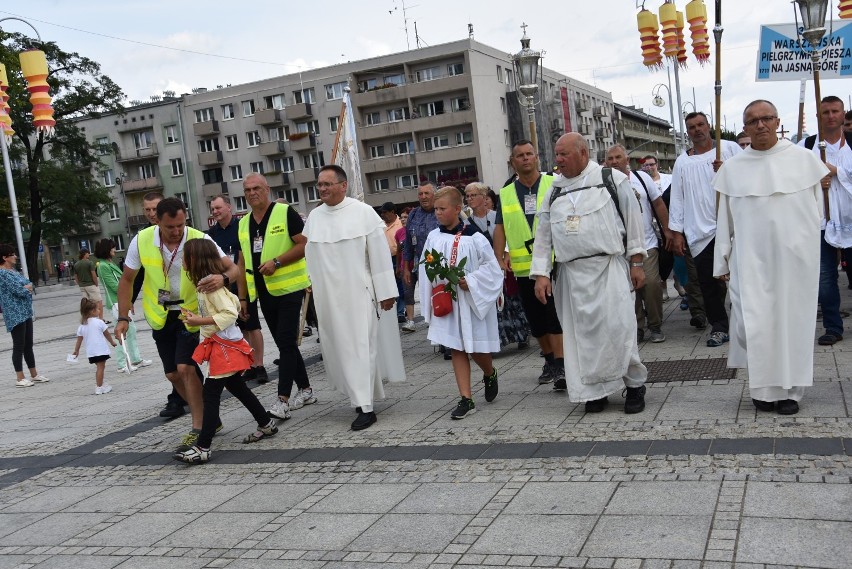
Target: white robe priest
351 272
472 325
768 241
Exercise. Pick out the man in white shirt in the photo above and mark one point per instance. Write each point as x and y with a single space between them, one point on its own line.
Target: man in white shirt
836 232
693 215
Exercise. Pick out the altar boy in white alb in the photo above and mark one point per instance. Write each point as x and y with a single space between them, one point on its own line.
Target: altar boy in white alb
471 327
767 245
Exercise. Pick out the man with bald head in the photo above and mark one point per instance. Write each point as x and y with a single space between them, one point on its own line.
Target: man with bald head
591 223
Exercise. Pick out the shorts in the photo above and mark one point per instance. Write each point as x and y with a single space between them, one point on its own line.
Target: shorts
96 359
175 344
253 322
92 292
541 317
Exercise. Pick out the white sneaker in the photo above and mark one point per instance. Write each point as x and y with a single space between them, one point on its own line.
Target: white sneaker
39 379
125 370
24 383
103 389
281 410
303 397
143 363
408 326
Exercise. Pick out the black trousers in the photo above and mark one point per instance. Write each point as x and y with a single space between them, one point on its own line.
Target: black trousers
212 394
22 345
713 290
282 316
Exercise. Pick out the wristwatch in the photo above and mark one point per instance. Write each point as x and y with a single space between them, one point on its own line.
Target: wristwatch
632 264
226 281
123 319
276 262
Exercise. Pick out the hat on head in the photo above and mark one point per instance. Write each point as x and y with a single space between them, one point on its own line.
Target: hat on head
387 206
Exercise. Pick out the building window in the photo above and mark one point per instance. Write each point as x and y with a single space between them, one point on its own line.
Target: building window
372 118
314 160
435 142
503 105
510 78
240 203
399 114
113 211
204 115
499 74
208 145
231 142
335 91
312 193
287 164
256 167
248 108
464 138
102 143
404 147
172 134
119 242
460 103
455 69
227 112
212 176
291 195
109 179
426 74
146 171
406 181
304 96
466 171
143 139
381 185
332 123
396 79
506 137
274 101
236 173
431 109
377 151
183 197
274 133
253 138
177 166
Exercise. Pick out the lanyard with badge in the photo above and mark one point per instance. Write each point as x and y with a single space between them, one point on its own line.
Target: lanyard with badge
257 243
164 296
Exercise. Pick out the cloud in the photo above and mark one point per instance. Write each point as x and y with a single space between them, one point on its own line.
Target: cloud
370 48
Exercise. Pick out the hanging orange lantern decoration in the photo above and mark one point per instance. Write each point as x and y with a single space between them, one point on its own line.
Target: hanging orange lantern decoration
696 15
34 68
845 9
668 25
5 119
681 44
648 30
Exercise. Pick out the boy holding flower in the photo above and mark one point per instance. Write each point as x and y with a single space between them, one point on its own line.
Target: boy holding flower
461 258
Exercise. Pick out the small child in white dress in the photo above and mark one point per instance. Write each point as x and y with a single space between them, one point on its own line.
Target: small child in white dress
98 340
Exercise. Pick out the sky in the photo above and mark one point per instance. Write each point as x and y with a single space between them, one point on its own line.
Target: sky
152 46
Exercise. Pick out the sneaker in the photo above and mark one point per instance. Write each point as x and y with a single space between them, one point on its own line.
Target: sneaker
523 345
260 374
261 433
491 387
699 322
188 441
559 383
657 336
193 455
303 397
408 326
635 400
827 339
103 389
680 290
717 339
249 374
125 369
546 374
684 302
219 427
24 383
465 408
665 294
281 410
596 405
143 363
39 379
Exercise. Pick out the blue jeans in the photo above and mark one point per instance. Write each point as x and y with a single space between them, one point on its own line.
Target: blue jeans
829 292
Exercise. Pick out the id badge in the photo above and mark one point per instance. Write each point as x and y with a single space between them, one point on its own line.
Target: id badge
163 296
572 224
257 244
529 204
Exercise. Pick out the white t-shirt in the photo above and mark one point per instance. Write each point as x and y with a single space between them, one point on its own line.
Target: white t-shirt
171 259
664 182
647 212
838 232
93 337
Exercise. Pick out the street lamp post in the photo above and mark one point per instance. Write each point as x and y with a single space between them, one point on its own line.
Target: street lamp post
659 102
527 68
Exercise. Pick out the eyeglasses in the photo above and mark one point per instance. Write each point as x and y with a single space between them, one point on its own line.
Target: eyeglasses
321 185
765 120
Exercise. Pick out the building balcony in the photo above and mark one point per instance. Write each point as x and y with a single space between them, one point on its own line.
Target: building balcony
584 129
600 133
213 189
600 112
212 158
298 111
581 107
444 120
305 176
273 148
303 144
437 86
388 163
143 185
138 154
206 128
277 179
380 96
267 116
137 220
133 126
449 154
385 129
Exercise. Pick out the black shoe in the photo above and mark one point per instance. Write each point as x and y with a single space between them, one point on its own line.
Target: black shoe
358 410
448 354
763 405
547 372
640 334
172 410
699 321
463 409
635 401
829 339
788 407
596 405
401 319
250 374
491 387
307 332
261 375
523 345
276 362
363 421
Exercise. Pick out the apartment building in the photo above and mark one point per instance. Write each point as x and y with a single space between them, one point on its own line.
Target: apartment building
643 134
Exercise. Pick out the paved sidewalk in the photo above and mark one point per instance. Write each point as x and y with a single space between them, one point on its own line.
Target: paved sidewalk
699 479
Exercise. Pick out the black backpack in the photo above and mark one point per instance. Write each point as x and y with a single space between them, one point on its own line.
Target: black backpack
811 140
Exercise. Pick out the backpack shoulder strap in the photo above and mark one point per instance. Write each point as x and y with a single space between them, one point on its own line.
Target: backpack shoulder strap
810 141
606 174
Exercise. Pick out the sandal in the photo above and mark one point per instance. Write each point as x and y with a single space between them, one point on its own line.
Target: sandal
261 433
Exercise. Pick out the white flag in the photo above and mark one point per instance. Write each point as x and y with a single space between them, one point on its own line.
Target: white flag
347 156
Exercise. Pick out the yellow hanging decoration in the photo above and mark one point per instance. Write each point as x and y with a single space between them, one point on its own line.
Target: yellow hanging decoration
668 25
696 15
845 9
34 68
681 43
5 119
648 30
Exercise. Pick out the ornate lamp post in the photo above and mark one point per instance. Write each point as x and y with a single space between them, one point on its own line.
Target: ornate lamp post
527 68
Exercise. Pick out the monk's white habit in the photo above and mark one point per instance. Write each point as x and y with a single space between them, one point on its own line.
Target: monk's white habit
351 272
592 289
768 240
472 325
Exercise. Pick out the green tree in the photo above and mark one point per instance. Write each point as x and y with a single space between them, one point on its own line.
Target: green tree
57 194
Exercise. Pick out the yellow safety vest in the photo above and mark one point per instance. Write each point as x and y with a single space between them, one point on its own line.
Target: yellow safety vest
516 227
155 279
287 278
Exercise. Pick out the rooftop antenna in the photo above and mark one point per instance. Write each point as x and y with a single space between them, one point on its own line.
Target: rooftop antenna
404 21
470 31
